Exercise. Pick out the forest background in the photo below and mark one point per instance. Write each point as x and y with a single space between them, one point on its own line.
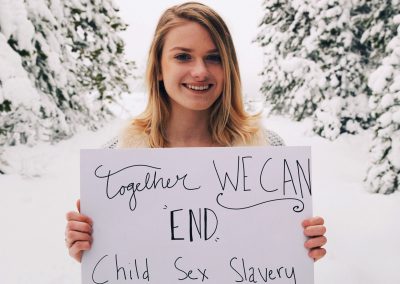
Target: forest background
325 73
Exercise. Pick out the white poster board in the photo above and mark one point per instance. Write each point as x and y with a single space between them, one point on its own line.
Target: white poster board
191 215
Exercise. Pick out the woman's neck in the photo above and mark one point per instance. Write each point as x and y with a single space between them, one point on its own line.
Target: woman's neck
188 128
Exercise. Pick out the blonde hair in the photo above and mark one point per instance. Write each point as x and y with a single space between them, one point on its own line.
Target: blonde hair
229 123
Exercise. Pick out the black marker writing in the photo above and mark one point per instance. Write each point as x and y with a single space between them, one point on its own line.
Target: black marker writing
308 183
297 208
252 274
149 181
204 225
129 271
288 179
239 171
190 274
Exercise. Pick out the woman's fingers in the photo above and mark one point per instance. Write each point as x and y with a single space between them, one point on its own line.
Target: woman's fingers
315 242
313 221
79 227
313 231
75 216
317 253
77 249
72 237
78 233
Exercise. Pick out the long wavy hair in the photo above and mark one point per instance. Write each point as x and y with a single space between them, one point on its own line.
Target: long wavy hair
228 122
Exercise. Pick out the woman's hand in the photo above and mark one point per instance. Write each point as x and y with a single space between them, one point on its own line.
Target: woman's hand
78 233
314 229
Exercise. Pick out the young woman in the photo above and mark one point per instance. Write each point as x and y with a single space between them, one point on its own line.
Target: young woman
195 100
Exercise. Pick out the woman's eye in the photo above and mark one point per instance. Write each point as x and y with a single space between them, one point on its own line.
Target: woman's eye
214 58
183 57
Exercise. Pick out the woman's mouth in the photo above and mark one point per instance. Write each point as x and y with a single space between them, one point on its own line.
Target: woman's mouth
202 87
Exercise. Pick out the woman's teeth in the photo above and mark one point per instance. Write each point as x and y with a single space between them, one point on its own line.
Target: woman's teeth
198 88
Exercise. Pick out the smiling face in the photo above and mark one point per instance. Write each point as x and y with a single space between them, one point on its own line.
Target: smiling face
191 68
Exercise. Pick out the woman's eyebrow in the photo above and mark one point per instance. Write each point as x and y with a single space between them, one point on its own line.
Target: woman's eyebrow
214 50
181 49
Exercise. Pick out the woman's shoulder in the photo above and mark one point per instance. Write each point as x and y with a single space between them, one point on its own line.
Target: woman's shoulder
272 138
266 137
111 144
262 136
128 137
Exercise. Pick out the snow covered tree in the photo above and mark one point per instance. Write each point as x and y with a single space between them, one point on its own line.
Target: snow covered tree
384 172
373 28
292 80
345 105
98 47
354 50
62 60
20 111
312 65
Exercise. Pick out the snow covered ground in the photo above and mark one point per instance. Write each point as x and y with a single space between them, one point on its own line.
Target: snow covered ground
363 228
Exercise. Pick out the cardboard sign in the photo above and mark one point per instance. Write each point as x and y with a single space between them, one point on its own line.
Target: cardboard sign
191 215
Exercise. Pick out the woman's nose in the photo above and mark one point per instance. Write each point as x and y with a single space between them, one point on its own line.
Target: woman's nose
199 70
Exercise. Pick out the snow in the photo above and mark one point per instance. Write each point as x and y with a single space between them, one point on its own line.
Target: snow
387 101
333 12
395 87
396 117
378 79
385 119
363 232
394 154
334 82
396 19
14 20
394 44
16 86
291 64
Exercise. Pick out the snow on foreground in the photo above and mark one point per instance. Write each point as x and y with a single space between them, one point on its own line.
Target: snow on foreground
363 232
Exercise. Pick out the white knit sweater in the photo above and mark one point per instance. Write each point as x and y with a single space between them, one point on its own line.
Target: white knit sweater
129 138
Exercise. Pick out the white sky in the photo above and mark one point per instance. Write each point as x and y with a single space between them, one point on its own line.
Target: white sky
242 18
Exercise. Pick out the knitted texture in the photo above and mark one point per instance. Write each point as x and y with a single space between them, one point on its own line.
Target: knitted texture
272 139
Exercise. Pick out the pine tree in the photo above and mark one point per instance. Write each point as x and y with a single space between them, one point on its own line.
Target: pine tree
20 110
384 171
312 65
373 28
292 80
344 108
74 60
98 48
